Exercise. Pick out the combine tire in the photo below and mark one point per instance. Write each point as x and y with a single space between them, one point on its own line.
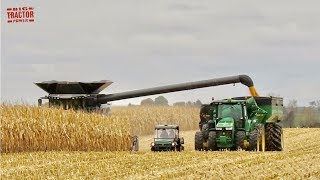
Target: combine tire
253 140
240 137
212 145
198 141
274 137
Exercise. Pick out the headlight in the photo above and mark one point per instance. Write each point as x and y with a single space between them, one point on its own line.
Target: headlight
229 128
152 144
218 128
173 144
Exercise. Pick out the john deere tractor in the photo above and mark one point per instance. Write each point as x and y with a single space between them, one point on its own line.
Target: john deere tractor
249 123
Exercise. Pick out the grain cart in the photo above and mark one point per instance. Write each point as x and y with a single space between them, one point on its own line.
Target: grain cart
166 138
85 95
249 123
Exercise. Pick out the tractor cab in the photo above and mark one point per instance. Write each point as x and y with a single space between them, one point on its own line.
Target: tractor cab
166 138
228 114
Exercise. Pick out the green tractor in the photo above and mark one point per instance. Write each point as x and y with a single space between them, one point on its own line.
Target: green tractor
249 123
167 139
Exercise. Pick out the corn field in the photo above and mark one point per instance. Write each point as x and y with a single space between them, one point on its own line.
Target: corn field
27 129
142 119
299 160
59 144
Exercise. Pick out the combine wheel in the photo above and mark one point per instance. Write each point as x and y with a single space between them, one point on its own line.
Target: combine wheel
198 141
212 145
274 137
240 137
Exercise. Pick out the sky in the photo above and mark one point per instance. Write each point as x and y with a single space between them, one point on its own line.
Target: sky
146 43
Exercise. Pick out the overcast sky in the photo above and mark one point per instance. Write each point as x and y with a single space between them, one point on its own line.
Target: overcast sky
145 43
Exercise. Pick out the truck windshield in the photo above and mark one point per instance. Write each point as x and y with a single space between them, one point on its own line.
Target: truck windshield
165 133
230 110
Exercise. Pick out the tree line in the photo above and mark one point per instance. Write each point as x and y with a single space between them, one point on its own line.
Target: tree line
294 116
162 101
308 116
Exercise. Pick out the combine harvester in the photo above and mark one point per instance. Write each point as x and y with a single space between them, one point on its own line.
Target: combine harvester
248 127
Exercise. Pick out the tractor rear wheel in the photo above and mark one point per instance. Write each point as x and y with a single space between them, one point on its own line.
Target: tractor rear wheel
254 135
274 137
240 137
198 141
212 145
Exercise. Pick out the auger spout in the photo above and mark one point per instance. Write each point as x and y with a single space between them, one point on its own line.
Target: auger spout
244 79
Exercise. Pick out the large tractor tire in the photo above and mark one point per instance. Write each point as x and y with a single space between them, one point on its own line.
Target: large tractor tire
240 137
205 131
254 135
212 145
198 141
274 137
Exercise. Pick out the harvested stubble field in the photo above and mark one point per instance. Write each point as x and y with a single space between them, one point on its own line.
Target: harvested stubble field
301 159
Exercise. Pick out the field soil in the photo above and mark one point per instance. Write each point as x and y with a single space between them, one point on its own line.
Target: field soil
299 160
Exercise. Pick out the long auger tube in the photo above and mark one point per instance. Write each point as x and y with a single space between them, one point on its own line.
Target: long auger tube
244 79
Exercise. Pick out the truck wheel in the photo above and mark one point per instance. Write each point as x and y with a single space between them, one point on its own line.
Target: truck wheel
253 140
198 141
274 137
212 145
240 137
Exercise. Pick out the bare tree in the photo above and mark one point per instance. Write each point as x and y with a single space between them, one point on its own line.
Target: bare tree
291 110
315 104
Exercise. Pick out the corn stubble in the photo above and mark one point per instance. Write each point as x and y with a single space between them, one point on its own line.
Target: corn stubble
300 160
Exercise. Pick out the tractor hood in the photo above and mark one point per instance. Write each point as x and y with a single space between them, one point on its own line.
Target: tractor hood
227 122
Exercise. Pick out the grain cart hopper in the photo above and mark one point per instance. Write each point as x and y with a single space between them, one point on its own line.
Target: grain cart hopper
85 95
249 123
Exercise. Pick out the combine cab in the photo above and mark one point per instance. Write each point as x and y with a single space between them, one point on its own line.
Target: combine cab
167 139
246 123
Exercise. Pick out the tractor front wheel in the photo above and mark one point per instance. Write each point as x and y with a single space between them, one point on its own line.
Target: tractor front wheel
198 141
240 137
212 145
254 135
